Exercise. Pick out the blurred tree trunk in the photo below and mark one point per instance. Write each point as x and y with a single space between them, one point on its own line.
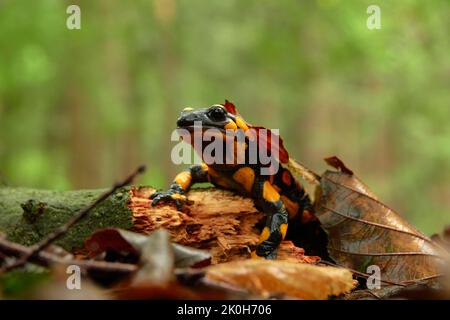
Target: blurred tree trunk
165 12
82 159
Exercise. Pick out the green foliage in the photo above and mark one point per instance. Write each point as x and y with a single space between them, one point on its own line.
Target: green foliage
21 283
80 108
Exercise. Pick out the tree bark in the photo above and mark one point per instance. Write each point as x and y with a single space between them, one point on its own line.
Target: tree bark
225 224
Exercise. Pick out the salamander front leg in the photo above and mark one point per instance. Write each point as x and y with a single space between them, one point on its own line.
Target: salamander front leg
180 185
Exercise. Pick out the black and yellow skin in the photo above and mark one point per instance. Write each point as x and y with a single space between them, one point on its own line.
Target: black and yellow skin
280 196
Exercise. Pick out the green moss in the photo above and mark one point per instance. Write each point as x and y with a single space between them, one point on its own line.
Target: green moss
28 215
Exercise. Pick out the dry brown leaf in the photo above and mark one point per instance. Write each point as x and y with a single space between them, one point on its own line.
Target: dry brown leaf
273 278
363 231
118 240
157 255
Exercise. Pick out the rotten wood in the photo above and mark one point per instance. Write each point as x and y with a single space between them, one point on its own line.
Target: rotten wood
220 221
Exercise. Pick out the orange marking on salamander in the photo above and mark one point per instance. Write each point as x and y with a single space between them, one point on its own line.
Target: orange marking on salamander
283 230
241 123
231 125
264 235
245 177
270 193
184 179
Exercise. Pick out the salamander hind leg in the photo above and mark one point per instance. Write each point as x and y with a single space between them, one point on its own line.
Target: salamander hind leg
276 221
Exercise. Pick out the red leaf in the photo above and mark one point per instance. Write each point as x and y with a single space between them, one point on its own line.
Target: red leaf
279 152
277 147
230 107
108 239
337 163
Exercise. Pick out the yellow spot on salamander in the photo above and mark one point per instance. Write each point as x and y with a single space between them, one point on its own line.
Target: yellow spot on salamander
231 125
269 193
177 196
283 230
245 177
241 123
187 109
184 179
264 235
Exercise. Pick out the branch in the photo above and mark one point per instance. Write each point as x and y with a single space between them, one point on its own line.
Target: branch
45 259
35 250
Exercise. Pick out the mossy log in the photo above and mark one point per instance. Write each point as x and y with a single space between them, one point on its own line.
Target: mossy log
29 215
220 221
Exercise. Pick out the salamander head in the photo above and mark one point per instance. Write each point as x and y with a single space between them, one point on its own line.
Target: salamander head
221 121
217 116
217 125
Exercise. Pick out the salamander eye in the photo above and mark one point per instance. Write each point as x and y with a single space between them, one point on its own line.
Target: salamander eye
217 114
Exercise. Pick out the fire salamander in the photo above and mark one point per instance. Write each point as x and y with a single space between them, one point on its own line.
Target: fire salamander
278 194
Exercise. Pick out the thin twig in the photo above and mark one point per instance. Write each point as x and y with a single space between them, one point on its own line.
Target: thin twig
435 276
45 258
74 219
362 274
374 295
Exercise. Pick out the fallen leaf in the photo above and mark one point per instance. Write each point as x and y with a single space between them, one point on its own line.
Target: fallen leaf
111 239
157 255
362 231
190 257
270 278
154 251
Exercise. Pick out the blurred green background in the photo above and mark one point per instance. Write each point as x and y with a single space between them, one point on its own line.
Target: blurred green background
81 108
